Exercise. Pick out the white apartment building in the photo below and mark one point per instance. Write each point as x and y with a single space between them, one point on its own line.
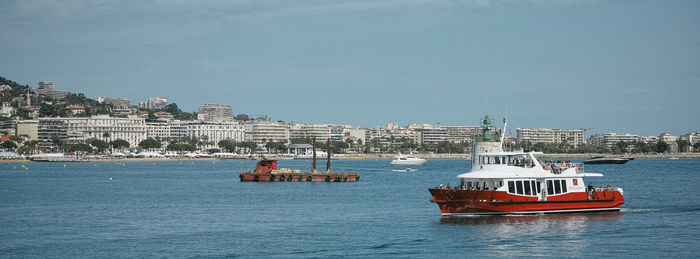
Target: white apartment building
103 127
261 132
649 139
158 129
154 103
119 103
574 137
461 134
215 112
669 138
320 131
610 139
216 131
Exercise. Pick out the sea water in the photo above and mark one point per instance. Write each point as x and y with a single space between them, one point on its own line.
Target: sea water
200 209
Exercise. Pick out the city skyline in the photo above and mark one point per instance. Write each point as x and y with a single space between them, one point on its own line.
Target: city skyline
625 67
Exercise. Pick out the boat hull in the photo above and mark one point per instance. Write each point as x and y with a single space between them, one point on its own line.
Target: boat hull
417 162
473 202
606 161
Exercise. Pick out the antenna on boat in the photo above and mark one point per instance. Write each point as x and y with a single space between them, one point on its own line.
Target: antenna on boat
503 133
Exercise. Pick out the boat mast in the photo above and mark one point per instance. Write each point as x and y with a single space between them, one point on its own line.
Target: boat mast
328 165
313 167
503 133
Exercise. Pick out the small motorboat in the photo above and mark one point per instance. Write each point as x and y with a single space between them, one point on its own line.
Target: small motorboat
606 160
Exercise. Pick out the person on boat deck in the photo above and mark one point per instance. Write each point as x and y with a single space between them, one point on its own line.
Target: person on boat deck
448 186
590 186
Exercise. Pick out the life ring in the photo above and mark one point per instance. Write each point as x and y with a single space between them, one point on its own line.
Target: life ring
337 178
308 178
256 178
328 178
272 177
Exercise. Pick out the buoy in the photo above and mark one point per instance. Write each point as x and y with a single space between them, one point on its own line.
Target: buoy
154 163
180 163
95 164
64 165
14 168
193 162
110 178
26 168
241 162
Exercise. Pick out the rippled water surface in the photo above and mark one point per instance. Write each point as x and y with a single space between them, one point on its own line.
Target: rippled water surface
200 209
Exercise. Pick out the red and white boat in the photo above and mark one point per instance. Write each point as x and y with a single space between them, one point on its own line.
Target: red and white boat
503 182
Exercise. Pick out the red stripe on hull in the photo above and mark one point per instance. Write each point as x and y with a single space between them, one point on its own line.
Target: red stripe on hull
474 202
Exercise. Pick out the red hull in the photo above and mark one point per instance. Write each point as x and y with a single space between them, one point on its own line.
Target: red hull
474 202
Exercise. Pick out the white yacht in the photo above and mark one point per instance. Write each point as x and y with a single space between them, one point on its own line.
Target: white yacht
408 160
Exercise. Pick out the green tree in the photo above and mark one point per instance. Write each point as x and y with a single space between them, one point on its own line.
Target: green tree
149 143
228 145
101 145
78 147
8 144
119 143
683 145
661 147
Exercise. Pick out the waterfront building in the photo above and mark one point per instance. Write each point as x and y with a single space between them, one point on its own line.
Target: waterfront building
609 140
51 133
649 139
669 138
119 103
154 103
47 89
260 132
103 127
27 129
214 132
432 135
320 131
573 137
215 112
357 133
461 134
177 128
158 129
692 138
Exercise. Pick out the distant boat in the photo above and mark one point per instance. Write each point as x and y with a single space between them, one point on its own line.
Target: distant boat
673 158
606 160
408 169
408 160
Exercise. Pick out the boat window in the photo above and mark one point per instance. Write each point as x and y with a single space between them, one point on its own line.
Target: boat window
485 186
557 187
550 187
563 185
527 188
532 183
519 186
500 183
477 185
495 185
511 187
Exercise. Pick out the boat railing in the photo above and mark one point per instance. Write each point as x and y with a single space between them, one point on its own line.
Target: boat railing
560 166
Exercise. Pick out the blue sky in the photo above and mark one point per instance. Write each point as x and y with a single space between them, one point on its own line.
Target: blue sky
614 66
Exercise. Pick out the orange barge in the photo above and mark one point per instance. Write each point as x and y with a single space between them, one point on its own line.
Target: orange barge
266 171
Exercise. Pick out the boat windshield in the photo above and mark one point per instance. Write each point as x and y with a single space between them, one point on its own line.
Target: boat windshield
521 160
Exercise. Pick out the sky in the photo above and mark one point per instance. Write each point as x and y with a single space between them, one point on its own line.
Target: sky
609 66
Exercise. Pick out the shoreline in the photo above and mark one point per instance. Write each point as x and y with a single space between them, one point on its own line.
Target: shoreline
364 156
